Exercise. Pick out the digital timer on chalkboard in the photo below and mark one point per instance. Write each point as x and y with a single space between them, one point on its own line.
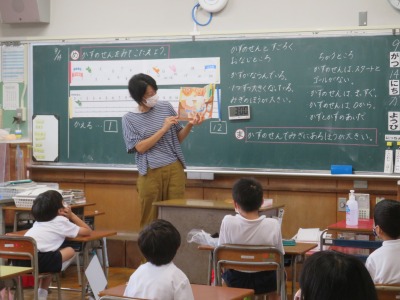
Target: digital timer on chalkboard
239 112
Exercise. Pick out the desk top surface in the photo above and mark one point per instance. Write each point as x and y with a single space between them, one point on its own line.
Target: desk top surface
13 271
207 204
364 226
299 248
94 235
13 207
199 292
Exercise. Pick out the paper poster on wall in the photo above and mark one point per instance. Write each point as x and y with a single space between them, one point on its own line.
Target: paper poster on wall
10 96
13 63
45 139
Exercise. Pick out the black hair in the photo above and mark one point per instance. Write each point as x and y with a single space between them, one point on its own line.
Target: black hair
137 86
331 275
248 194
387 216
159 241
46 205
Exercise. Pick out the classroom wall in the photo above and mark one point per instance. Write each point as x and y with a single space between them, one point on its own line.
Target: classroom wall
105 18
115 192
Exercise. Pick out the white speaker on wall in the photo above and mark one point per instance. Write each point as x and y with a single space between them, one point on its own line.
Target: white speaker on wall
25 11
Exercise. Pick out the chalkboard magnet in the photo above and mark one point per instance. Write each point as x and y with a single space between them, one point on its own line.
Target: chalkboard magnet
341 169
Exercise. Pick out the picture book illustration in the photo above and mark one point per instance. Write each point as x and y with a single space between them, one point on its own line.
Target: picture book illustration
196 100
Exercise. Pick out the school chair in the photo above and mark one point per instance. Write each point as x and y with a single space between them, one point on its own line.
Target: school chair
388 291
24 248
250 258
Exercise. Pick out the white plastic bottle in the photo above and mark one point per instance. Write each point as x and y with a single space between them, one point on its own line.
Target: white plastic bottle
352 210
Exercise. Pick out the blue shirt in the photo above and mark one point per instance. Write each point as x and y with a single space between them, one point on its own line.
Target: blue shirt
138 126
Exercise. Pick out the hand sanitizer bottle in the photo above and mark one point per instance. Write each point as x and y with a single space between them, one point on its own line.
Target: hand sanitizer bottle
352 210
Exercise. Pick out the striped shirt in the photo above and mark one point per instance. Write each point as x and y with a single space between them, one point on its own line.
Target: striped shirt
138 126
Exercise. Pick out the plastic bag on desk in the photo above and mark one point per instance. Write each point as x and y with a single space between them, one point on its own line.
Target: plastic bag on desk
201 237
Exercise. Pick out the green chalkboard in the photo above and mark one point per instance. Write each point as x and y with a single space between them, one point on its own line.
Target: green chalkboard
314 101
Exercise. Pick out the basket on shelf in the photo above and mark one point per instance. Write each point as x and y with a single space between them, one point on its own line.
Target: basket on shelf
9 191
25 199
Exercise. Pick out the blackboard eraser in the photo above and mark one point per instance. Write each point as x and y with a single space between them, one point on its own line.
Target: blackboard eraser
341 169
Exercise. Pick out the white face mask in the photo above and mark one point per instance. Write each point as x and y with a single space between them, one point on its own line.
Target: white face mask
151 101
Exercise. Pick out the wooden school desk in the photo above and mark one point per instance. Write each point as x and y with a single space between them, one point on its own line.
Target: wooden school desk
7 272
364 226
78 209
187 214
359 248
96 235
200 292
4 203
89 216
295 252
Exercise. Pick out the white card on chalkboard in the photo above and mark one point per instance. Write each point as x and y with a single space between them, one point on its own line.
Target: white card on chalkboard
45 138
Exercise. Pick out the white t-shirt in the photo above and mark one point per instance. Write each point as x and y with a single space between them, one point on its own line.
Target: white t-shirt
384 264
261 231
50 235
166 282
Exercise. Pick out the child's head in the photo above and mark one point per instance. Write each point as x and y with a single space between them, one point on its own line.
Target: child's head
331 275
248 194
159 242
387 216
47 205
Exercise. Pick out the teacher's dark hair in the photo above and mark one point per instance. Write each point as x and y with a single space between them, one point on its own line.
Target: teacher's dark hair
159 242
138 84
333 275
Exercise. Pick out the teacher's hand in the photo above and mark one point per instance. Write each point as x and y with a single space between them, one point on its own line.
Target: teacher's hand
168 122
196 119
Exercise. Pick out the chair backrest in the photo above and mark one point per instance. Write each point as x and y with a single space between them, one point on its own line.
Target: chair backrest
22 248
387 292
250 258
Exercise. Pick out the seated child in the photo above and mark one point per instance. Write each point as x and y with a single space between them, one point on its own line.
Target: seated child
383 264
247 227
331 275
159 278
53 223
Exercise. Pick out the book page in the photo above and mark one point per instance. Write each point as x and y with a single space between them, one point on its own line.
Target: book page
196 100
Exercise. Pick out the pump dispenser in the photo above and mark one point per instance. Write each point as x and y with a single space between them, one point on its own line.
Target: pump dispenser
352 210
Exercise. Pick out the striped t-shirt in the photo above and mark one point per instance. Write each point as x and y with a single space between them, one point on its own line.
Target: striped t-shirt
138 126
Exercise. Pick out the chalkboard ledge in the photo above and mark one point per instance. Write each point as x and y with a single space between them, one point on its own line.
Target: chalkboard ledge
232 171
18 141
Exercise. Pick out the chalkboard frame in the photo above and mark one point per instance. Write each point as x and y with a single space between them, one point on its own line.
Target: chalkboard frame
216 168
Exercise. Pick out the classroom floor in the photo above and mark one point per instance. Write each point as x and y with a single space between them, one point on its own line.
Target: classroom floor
116 276
69 279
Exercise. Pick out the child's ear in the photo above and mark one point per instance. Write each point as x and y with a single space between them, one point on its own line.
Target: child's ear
60 211
378 231
236 206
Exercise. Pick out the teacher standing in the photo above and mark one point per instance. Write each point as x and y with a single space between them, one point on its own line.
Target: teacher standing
153 133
